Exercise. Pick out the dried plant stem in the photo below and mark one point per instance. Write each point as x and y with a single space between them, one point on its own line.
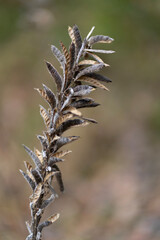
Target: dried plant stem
79 79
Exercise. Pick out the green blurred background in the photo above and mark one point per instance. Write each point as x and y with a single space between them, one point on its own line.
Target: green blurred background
112 178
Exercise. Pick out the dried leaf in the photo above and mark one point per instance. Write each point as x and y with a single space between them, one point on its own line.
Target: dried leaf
73 110
66 54
99 51
42 93
28 179
50 174
82 90
84 102
99 39
48 201
87 62
71 34
33 156
93 82
54 217
61 154
57 53
55 75
29 169
63 118
61 142
98 77
72 55
51 97
43 141
37 176
45 116
68 124
48 222
59 178
53 160
39 154
89 34
90 69
97 58
77 36
36 195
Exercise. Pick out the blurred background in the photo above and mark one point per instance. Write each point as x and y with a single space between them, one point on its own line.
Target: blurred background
112 178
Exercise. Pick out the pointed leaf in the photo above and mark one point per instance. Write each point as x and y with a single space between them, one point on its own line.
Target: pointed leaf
28 179
90 69
63 118
37 193
38 154
53 160
50 174
61 154
71 34
99 51
98 77
48 201
45 116
43 141
59 178
72 55
51 97
87 62
57 53
55 75
68 124
82 90
33 156
37 176
73 110
89 34
61 142
48 222
99 39
93 82
29 169
77 36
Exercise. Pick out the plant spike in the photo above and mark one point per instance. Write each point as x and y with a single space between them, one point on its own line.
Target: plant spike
63 113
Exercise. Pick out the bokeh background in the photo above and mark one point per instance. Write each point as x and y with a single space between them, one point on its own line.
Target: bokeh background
112 178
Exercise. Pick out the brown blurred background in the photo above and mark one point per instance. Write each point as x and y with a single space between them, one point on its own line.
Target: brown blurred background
112 178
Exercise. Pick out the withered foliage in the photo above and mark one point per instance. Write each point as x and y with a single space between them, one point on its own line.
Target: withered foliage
79 64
